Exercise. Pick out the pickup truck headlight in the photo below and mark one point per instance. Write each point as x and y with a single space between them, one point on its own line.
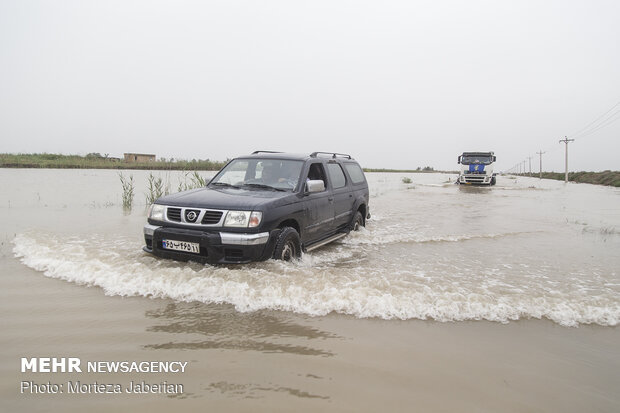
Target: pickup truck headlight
243 219
156 212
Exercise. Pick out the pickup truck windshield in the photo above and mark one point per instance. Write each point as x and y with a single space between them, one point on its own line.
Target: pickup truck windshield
468 160
260 174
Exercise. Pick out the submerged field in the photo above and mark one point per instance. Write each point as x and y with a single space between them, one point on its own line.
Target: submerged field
432 250
454 298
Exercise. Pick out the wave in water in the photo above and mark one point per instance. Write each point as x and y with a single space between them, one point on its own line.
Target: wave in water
335 279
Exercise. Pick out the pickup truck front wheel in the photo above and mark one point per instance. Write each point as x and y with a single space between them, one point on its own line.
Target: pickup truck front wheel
288 245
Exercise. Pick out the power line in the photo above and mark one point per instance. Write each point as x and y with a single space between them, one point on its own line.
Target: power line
595 124
607 118
613 118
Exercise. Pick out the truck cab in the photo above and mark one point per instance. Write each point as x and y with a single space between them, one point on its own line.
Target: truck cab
476 168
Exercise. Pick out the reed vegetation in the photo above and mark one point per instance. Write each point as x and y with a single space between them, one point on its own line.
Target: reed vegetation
128 190
608 178
192 180
156 188
97 161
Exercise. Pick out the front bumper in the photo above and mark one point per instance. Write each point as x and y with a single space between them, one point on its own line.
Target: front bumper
215 247
475 179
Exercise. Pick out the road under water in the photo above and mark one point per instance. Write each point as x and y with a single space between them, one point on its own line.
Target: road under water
522 250
432 250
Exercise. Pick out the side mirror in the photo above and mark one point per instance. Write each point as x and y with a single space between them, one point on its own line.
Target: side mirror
494 158
313 186
459 160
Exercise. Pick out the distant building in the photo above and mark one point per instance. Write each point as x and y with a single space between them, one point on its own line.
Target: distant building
139 157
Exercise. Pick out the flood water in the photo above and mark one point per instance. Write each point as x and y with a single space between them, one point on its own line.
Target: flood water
511 292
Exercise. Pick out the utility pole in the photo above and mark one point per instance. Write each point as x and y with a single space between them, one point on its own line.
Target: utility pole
566 141
524 167
540 173
530 159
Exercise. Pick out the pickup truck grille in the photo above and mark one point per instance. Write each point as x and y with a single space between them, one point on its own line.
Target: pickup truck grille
211 217
184 215
174 214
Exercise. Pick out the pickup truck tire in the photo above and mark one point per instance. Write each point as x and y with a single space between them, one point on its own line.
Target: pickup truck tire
288 245
358 221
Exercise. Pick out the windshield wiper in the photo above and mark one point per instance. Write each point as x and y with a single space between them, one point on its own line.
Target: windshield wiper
224 184
265 187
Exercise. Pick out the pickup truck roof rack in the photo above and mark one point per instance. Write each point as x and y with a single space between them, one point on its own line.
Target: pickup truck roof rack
333 154
255 152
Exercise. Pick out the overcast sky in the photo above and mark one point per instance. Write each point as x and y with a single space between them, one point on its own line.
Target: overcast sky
397 84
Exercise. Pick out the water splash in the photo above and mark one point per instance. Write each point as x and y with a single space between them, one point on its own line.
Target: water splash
340 278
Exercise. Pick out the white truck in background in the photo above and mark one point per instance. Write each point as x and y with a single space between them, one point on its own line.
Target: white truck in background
476 168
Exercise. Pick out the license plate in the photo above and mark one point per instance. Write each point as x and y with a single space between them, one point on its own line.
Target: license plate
185 246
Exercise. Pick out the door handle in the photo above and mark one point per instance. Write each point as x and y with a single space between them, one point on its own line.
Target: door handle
330 199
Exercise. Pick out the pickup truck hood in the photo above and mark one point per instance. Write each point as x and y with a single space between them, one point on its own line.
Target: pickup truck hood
227 198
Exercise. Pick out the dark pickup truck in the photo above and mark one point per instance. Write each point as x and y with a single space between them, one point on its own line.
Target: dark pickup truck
264 205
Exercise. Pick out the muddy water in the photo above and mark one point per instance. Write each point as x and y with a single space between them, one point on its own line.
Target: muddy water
342 328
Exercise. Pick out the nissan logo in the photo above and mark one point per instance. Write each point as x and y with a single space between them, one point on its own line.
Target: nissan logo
191 216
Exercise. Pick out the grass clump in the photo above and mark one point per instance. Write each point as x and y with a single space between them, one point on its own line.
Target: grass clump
128 190
192 180
155 189
406 180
